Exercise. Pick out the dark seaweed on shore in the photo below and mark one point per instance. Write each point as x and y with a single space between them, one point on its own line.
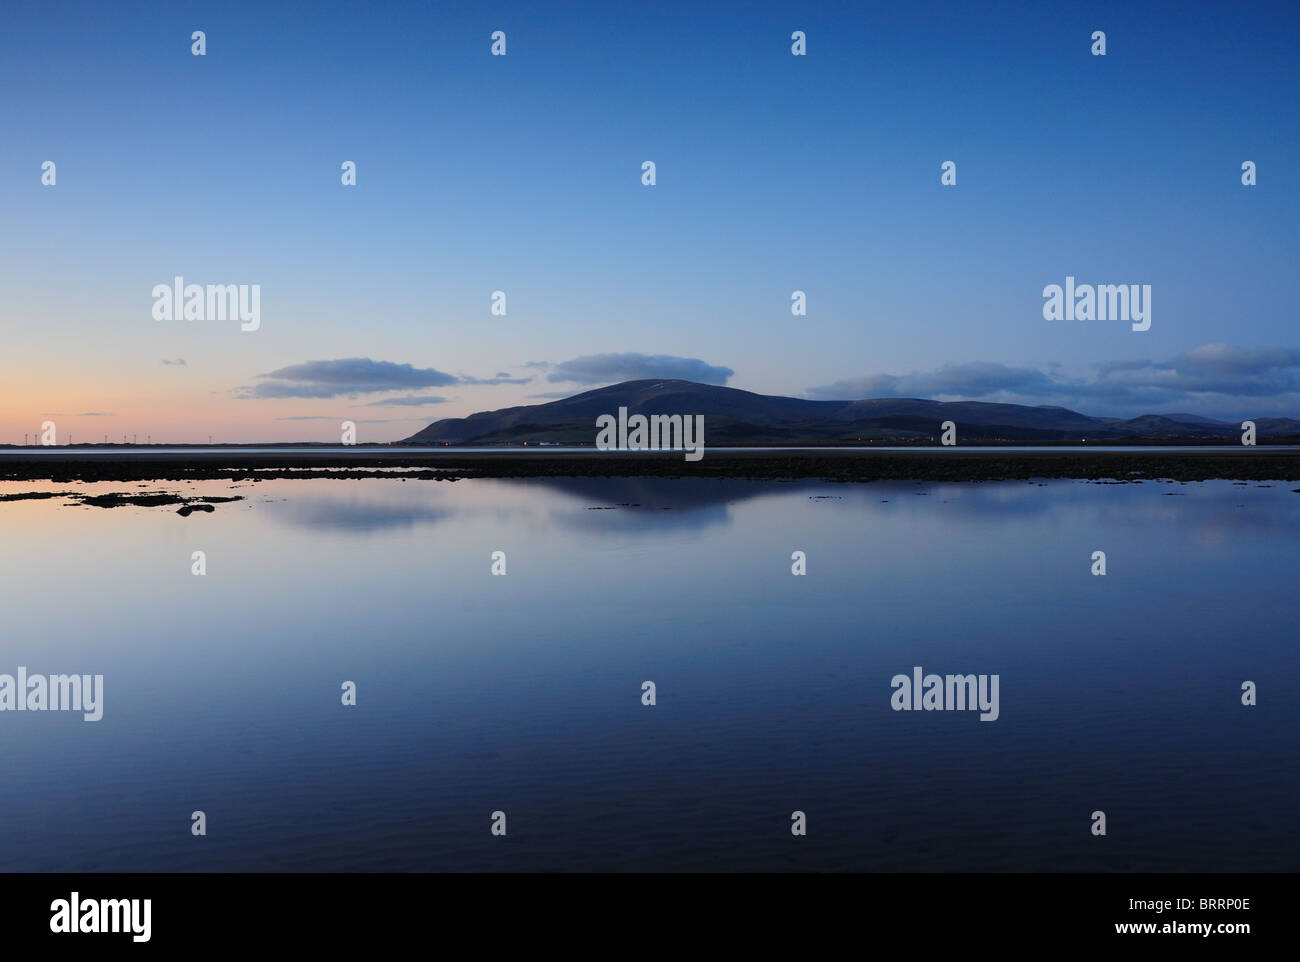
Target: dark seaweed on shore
154 499
117 499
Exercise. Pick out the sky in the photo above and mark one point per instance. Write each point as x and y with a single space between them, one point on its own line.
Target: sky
522 173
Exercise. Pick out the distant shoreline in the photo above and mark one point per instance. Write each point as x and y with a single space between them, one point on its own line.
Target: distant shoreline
1260 463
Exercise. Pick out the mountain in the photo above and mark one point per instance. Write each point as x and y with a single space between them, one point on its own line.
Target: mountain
732 416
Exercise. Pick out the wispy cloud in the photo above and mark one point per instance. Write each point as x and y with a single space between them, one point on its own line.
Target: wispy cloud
968 381
179 362
347 377
410 400
610 368
339 420
1215 378
499 379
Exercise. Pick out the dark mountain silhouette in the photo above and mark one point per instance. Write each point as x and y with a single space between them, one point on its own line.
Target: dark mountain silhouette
741 417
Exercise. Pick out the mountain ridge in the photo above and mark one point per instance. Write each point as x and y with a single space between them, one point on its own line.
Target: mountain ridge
735 416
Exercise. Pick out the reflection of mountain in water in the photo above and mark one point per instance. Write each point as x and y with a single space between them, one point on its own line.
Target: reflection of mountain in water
352 513
618 506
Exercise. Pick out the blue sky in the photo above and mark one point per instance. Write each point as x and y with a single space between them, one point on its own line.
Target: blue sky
523 174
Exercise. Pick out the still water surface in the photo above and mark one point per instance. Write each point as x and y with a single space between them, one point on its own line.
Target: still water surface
522 693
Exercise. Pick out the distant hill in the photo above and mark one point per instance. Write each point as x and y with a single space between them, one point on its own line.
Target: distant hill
732 416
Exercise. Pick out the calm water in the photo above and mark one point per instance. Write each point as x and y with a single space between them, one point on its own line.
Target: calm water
522 693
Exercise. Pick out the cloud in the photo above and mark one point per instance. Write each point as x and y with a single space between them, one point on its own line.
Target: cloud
1215 379
410 400
344 378
609 368
1110 367
96 414
1212 370
1222 359
971 381
339 420
550 395
179 362
499 379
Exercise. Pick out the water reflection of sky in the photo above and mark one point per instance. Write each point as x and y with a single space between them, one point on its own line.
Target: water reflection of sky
522 692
